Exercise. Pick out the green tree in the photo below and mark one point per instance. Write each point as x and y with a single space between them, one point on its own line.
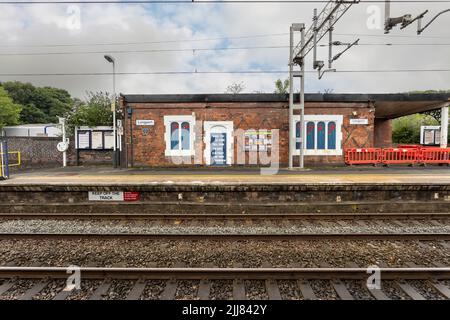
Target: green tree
31 114
407 129
9 111
40 105
95 111
281 87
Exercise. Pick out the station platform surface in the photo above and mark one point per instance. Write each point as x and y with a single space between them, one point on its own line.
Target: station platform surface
98 176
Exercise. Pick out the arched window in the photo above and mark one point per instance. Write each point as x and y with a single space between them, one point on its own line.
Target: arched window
321 135
297 134
174 136
332 135
310 133
185 136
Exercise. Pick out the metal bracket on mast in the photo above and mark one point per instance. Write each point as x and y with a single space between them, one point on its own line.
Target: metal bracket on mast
404 20
345 50
334 9
419 21
322 23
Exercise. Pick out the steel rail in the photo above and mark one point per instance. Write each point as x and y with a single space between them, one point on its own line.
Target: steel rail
224 273
224 216
228 237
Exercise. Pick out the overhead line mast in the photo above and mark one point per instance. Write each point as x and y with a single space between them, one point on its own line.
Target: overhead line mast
322 23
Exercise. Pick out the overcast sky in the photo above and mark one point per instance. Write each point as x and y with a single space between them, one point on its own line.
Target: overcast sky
36 28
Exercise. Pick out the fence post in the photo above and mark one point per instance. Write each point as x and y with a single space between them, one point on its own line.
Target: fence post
4 159
444 126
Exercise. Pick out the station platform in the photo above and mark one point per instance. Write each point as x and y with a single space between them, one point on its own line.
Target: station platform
98 176
226 190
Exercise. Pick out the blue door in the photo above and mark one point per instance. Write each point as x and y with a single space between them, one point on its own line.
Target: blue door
218 149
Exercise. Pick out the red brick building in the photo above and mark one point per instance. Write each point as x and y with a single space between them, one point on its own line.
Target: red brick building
245 129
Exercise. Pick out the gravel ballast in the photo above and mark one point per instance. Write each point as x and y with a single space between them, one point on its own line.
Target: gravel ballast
292 227
146 253
204 253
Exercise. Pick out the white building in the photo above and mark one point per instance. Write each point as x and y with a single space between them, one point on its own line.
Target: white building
33 130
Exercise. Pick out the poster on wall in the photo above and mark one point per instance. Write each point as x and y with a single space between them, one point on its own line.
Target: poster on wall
84 138
428 136
109 140
258 140
97 140
437 137
218 148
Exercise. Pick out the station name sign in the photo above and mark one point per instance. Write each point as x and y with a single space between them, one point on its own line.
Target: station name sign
362 121
113 196
145 122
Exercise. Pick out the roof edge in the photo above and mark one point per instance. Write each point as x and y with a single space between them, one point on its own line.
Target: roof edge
274 97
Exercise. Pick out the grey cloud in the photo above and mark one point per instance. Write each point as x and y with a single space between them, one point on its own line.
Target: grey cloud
112 23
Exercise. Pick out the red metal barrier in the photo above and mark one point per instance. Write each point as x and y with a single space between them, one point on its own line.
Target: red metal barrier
400 156
363 156
406 155
435 155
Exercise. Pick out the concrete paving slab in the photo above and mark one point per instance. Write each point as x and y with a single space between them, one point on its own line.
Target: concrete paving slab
107 176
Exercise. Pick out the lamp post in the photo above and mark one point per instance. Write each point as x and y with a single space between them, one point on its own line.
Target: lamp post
110 59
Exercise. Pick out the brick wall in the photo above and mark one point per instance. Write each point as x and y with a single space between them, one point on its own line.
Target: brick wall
36 152
383 133
41 152
88 157
353 136
147 149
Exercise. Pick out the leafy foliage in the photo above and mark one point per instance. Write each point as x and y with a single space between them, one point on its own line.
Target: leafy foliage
95 111
40 105
9 111
407 129
282 87
31 114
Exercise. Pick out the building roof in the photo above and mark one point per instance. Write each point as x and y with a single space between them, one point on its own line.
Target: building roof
33 125
387 105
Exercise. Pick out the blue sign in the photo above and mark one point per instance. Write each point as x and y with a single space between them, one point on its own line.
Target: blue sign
218 149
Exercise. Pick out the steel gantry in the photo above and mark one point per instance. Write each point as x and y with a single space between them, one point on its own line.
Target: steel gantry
322 24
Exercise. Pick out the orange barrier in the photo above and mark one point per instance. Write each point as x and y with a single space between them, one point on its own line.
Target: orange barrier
435 155
400 155
406 155
363 156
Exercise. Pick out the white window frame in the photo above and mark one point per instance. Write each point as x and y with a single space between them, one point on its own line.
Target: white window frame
338 119
168 120
209 127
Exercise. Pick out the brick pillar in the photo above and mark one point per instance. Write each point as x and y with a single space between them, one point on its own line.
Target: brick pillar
383 133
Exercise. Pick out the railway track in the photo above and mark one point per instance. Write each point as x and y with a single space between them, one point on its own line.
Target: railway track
228 236
231 216
301 280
